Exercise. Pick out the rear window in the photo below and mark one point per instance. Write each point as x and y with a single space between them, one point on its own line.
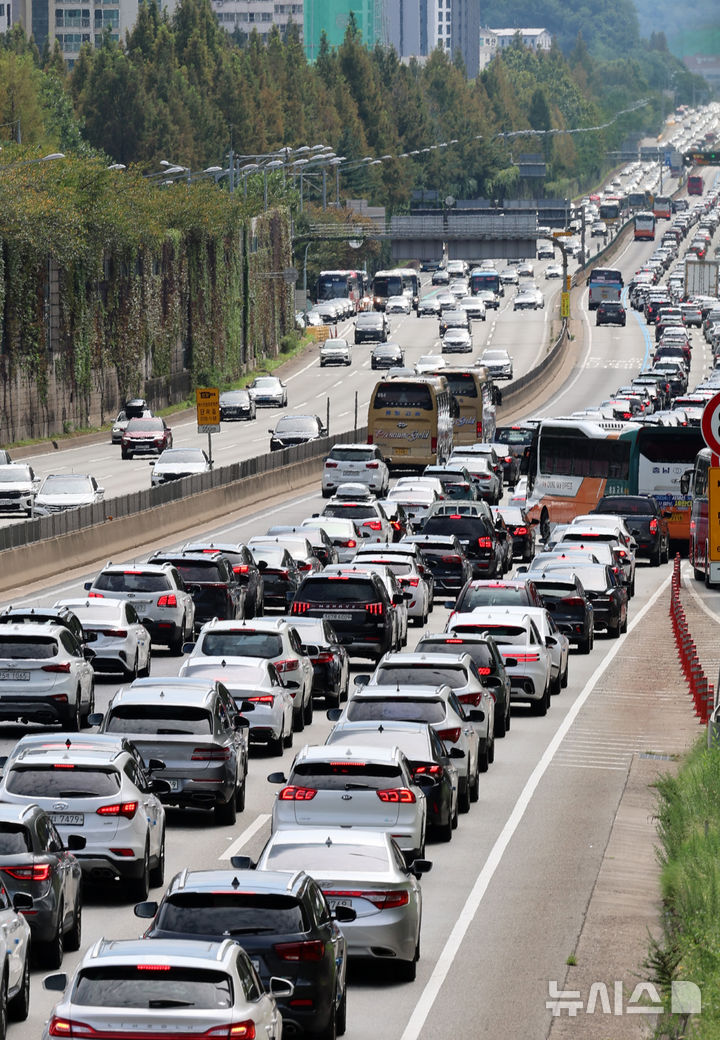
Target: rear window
72 782
463 526
229 913
420 675
350 512
396 394
241 643
486 596
462 384
165 986
366 858
200 572
513 435
480 652
337 590
14 840
148 718
395 709
556 589
18 648
502 633
395 567
352 454
623 506
131 581
592 578
339 776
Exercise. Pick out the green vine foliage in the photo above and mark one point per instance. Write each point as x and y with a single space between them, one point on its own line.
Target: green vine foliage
108 280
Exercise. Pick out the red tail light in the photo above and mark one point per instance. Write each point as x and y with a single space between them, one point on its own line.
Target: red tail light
428 770
383 900
168 601
299 608
126 809
36 872
241 568
374 525
324 658
433 445
331 465
396 794
483 671
376 609
372 465
574 601
452 735
450 559
395 524
210 754
91 595
484 542
312 950
508 458
475 699
483 476
520 531
653 526
267 698
370 439
57 667
291 665
478 430
521 658
121 633
349 544
304 566
413 582
291 793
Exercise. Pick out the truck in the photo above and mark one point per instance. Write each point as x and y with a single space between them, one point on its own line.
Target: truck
701 277
695 184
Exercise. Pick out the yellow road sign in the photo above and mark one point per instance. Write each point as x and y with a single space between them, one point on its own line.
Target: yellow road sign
318 332
563 234
714 513
207 401
565 305
568 280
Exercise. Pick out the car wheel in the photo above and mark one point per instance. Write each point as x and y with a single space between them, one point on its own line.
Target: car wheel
54 949
288 738
491 749
308 712
276 744
326 494
623 626
145 670
330 1030
157 874
73 939
464 797
140 886
132 673
74 722
240 793
19 1007
341 1014
499 728
665 554
298 719
406 971
474 790
176 644
225 812
443 832
564 679
555 685
125 454
585 645
614 632
483 759
540 707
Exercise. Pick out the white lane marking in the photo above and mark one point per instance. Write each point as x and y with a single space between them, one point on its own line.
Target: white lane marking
466 916
342 414
242 839
312 363
581 370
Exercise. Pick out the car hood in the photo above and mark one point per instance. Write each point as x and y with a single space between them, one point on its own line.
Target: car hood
81 499
16 485
179 467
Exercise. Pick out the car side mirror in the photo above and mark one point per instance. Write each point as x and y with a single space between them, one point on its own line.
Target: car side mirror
95 718
75 842
22 901
240 722
476 715
511 662
344 914
281 987
420 866
362 680
456 752
86 585
158 786
187 648
245 706
56 983
146 910
424 780
685 483
550 641
333 714
155 763
310 650
242 863
277 778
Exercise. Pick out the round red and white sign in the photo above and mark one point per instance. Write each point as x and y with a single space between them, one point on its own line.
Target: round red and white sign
710 424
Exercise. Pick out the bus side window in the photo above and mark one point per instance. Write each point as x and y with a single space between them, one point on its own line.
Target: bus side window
701 479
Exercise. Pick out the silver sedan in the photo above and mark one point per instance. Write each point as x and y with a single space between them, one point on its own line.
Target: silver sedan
366 872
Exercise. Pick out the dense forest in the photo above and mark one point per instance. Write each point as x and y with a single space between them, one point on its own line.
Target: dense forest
182 89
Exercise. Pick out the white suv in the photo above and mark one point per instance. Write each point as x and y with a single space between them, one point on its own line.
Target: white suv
359 463
158 594
270 639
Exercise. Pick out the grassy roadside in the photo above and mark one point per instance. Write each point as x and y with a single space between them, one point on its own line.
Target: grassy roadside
295 348
688 820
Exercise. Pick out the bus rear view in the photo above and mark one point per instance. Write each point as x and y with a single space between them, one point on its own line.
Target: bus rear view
604 283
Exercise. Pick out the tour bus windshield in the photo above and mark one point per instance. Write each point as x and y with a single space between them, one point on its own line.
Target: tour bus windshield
396 394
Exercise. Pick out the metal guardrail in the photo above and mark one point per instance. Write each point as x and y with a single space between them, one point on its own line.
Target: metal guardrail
72 521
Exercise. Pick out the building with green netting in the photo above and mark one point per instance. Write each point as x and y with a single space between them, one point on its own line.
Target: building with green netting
331 17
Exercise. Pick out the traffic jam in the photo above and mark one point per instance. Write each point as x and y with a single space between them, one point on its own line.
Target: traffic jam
417 610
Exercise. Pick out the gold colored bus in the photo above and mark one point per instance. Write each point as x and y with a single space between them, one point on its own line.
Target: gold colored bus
411 420
476 396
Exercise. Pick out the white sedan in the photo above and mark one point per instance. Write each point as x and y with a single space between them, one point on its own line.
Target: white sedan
429 363
398 305
115 634
554 271
175 463
457 341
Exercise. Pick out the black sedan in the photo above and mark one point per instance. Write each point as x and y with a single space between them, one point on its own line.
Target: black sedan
387 355
481 543
296 429
331 665
34 860
284 925
566 600
281 575
520 529
608 597
446 559
244 567
236 404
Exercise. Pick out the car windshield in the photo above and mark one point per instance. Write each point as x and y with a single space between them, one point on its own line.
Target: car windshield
396 394
144 425
462 526
494 355
296 424
360 858
494 596
66 484
153 986
352 454
241 643
274 559
14 839
420 675
395 709
182 455
624 505
266 383
62 780
235 397
230 913
34 648
131 581
337 589
158 719
336 776
14 474
515 436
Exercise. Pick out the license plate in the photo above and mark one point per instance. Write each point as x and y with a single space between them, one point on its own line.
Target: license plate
174 785
20 676
338 617
402 451
68 819
333 902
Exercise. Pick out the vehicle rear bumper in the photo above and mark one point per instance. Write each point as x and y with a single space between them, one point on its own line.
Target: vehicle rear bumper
40 708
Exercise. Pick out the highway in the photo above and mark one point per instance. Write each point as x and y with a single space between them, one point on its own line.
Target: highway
505 901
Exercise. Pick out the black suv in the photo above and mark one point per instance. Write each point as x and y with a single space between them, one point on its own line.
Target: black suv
357 605
479 539
244 568
212 583
610 312
564 597
284 925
